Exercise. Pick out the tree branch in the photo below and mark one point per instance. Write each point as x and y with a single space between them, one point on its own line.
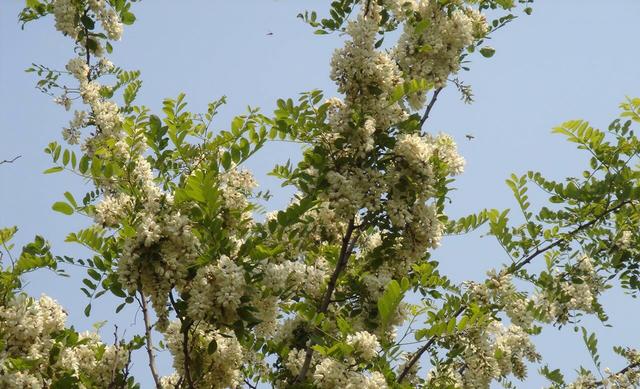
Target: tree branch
184 328
434 98
343 259
149 345
510 270
10 160
626 369
517 266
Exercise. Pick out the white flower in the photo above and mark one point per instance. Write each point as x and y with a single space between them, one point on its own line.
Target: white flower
365 344
71 135
65 13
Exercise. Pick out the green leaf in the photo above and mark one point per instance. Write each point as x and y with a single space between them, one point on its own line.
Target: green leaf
7 233
212 347
127 18
54 169
62 208
422 25
87 22
388 303
70 199
487 51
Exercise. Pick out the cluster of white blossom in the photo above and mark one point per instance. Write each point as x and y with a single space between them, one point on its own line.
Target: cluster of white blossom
296 276
221 367
353 189
625 240
367 77
29 331
91 358
557 303
390 171
157 259
295 360
493 351
216 291
112 209
432 52
500 290
105 114
330 374
71 134
236 186
67 13
365 344
108 18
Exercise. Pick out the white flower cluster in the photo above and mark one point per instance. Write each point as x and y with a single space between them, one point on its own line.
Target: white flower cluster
367 77
112 209
557 305
500 290
66 13
71 134
330 374
296 276
416 150
295 360
365 344
105 114
91 358
236 186
494 351
28 331
433 52
216 291
447 152
625 240
222 366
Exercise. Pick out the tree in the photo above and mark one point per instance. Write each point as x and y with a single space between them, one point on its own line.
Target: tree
314 295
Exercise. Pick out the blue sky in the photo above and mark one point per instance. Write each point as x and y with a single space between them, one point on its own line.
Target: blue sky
570 59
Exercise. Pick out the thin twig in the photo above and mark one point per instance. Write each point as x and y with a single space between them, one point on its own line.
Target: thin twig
10 160
434 98
147 331
246 381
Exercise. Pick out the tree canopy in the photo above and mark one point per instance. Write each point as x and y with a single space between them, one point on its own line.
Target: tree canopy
339 288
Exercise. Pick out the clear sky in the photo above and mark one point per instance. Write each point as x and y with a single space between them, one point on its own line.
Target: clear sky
571 59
